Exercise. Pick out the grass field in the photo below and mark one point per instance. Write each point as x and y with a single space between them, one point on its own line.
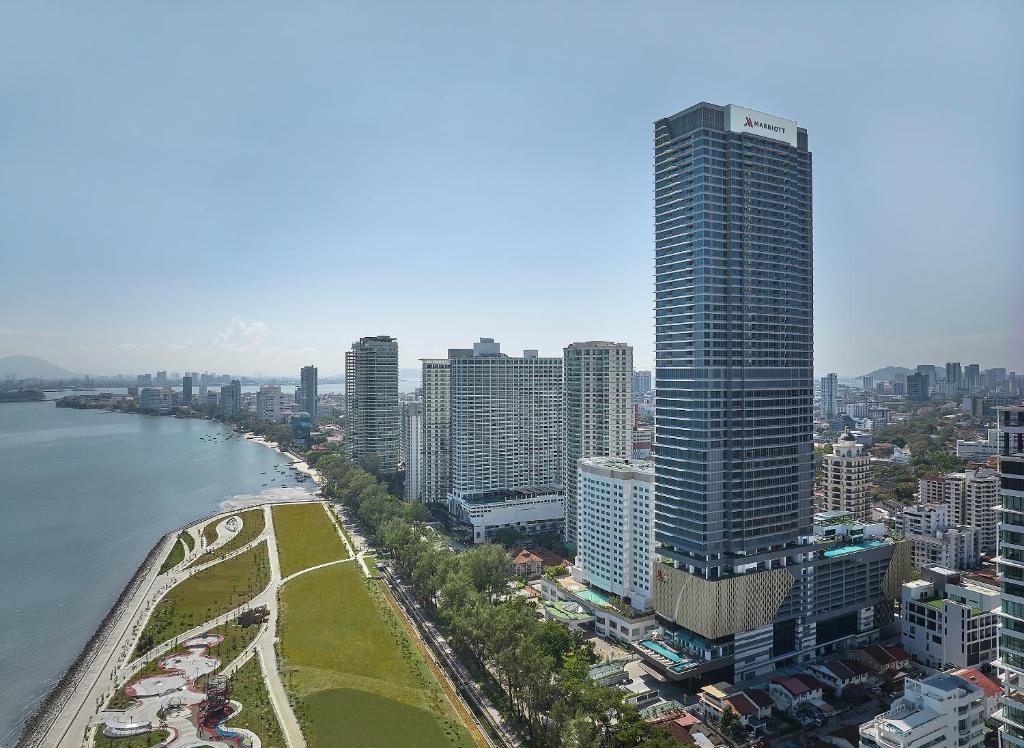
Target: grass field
356 677
175 557
305 537
154 737
253 524
257 714
210 530
206 595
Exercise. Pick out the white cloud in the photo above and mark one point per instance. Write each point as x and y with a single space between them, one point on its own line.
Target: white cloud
241 336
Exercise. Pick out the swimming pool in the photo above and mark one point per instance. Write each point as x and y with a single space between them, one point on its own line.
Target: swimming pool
853 548
678 661
594 597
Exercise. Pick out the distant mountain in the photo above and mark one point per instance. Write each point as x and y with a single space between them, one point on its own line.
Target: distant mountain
889 373
32 367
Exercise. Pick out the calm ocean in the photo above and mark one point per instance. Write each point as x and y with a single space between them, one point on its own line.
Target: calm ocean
84 496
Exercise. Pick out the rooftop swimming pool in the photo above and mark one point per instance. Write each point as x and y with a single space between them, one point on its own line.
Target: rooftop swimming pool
679 662
842 551
594 597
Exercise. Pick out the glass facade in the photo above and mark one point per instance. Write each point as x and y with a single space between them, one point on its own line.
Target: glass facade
734 341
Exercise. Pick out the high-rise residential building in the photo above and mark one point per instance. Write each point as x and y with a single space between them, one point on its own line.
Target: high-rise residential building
918 387
847 482
436 419
743 588
506 441
186 390
829 396
954 376
615 551
598 381
978 505
231 398
928 370
867 383
1010 422
972 377
641 384
161 378
154 399
936 541
372 421
144 380
412 433
272 404
308 385
942 707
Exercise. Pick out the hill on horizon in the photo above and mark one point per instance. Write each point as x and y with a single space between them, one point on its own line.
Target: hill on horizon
889 373
31 367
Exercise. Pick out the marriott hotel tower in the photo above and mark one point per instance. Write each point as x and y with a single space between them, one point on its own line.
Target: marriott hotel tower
744 584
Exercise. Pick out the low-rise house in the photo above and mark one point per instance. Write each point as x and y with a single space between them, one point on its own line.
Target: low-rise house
527 564
880 658
791 691
753 706
839 675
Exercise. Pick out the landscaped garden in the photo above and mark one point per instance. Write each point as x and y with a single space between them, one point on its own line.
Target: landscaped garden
354 674
253 524
175 556
306 537
206 595
146 740
257 714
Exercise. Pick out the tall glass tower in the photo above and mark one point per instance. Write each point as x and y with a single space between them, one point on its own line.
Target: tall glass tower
743 585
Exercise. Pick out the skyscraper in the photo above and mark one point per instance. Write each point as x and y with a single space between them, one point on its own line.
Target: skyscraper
231 398
506 441
1010 422
829 396
598 380
371 401
412 433
308 384
743 588
186 390
954 377
847 483
918 387
436 420
641 384
867 383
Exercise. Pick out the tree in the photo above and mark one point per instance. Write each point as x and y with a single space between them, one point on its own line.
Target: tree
487 568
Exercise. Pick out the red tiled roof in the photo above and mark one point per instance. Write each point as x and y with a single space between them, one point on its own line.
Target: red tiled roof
525 557
741 704
839 670
898 654
759 697
978 678
793 683
812 683
858 668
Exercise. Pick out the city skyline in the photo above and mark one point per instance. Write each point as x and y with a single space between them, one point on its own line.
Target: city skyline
551 197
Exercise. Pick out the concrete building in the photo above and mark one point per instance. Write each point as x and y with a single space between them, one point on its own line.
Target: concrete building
231 399
616 520
372 416
506 441
949 619
154 400
744 589
642 384
1010 422
829 396
272 404
186 390
941 709
309 401
436 420
412 433
954 376
597 379
979 449
867 383
935 541
918 387
847 483
972 498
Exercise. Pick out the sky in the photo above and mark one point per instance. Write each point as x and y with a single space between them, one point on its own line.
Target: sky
249 187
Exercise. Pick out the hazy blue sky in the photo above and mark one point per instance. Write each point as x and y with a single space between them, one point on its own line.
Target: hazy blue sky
249 187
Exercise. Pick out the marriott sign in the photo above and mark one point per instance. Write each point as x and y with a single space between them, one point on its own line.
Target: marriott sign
739 119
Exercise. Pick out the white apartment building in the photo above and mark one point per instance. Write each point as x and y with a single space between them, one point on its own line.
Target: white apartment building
372 421
616 520
972 497
829 396
436 424
272 404
155 399
934 541
979 449
598 379
949 620
412 432
941 710
506 440
847 478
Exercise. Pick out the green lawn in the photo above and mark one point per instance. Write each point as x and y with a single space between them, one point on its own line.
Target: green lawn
347 660
210 530
305 537
175 557
186 538
154 737
257 714
205 595
253 524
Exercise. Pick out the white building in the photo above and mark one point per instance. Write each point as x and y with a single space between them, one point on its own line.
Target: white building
598 380
272 404
412 432
949 620
155 399
978 449
372 416
972 497
506 440
941 710
616 520
829 396
847 483
436 424
934 541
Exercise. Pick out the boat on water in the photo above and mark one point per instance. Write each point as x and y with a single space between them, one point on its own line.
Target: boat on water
21 396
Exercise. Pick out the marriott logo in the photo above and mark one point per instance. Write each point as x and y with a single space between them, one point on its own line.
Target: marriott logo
764 125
